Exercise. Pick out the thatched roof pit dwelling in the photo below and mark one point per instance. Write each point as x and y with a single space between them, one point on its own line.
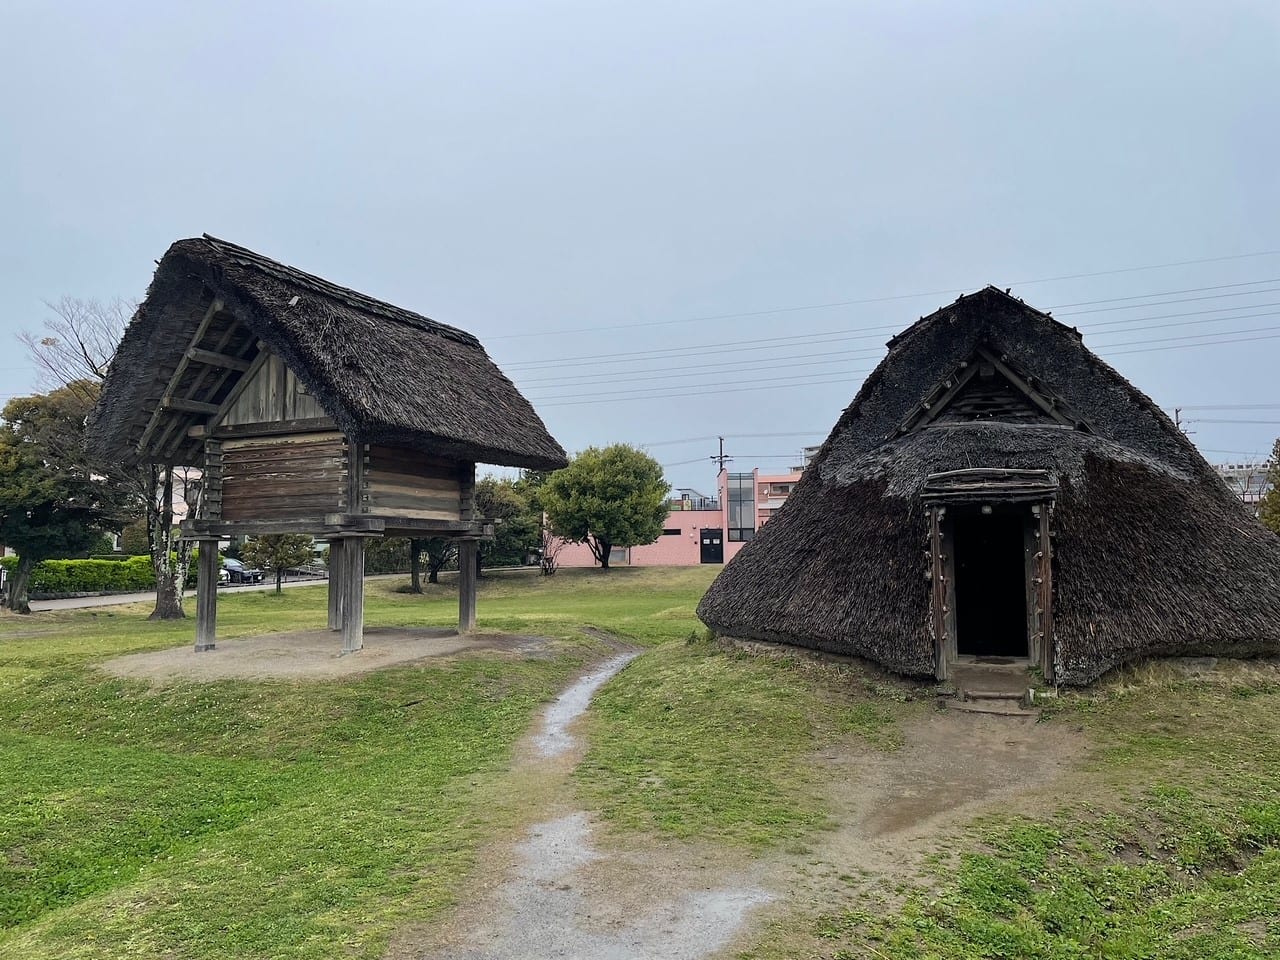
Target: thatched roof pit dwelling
996 491
310 408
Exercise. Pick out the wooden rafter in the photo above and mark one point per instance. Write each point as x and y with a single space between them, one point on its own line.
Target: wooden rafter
168 444
214 359
946 391
183 405
1048 406
172 386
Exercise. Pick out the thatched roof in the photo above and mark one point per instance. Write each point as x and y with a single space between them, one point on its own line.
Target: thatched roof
384 374
1152 553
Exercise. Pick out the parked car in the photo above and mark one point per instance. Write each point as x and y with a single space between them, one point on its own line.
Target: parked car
237 572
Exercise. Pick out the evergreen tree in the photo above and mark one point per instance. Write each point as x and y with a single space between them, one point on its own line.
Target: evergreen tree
606 498
51 504
278 552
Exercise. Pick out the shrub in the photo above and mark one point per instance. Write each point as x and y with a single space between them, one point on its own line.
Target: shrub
88 576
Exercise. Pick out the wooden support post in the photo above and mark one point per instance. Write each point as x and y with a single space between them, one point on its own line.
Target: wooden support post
207 596
467 585
337 552
353 595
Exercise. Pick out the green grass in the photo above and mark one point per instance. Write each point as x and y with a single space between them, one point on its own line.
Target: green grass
696 743
1166 846
281 819
273 819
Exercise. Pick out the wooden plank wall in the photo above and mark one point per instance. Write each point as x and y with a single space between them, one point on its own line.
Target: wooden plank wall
284 477
404 483
272 394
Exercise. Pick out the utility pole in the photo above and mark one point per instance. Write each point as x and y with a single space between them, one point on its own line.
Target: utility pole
720 458
1177 421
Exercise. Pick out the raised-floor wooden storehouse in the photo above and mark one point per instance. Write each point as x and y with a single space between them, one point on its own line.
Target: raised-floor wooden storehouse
310 408
996 491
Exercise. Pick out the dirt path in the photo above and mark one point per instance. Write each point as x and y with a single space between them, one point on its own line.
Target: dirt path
556 893
556 890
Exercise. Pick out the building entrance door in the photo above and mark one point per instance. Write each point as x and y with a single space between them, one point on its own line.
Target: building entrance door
712 545
991 582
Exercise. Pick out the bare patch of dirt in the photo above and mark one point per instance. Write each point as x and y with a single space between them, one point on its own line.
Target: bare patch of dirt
309 655
892 810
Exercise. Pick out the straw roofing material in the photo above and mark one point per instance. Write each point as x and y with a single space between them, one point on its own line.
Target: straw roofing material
1153 555
385 375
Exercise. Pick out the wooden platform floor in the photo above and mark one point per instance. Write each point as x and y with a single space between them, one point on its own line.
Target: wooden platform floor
310 655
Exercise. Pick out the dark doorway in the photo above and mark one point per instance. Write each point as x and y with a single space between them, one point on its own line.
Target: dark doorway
712 545
990 582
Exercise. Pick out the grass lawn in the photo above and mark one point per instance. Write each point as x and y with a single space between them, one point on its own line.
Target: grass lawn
274 819
264 819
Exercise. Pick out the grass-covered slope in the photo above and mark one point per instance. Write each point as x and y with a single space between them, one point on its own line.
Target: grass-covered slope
284 819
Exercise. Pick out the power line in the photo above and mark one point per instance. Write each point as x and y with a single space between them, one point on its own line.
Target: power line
1231 406
1183 346
829 357
702 393
784 382
1165 303
882 299
660 391
1204 420
801 339
1166 293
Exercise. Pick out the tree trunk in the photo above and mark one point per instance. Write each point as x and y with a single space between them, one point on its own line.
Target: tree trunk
479 563
602 549
17 598
160 527
168 603
279 580
415 566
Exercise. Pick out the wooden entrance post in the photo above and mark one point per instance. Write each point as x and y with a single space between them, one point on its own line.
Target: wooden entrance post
336 580
467 585
207 595
352 579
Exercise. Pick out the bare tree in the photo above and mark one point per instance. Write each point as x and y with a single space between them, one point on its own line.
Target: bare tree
549 549
74 348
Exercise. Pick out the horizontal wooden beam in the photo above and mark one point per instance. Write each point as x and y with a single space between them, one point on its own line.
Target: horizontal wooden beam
214 359
321 525
189 406
273 428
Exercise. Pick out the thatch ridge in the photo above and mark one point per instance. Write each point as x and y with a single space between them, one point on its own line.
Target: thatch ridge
384 374
1152 553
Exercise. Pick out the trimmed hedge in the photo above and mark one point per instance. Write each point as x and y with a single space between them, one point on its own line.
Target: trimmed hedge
88 576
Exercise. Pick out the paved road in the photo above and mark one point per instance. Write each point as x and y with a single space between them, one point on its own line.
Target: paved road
116 599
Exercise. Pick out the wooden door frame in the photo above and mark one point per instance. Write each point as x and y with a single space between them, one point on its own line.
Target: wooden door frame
1038 578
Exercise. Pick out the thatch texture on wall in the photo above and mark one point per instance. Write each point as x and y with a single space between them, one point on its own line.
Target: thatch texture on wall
383 374
1152 554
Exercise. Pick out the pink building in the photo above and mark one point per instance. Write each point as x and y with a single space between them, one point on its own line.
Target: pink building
703 529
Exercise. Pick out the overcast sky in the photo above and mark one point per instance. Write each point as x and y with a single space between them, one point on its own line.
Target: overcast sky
620 170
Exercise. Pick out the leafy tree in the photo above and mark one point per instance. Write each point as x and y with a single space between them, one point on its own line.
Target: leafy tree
386 555
51 504
515 532
606 498
439 553
1269 507
133 539
278 552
